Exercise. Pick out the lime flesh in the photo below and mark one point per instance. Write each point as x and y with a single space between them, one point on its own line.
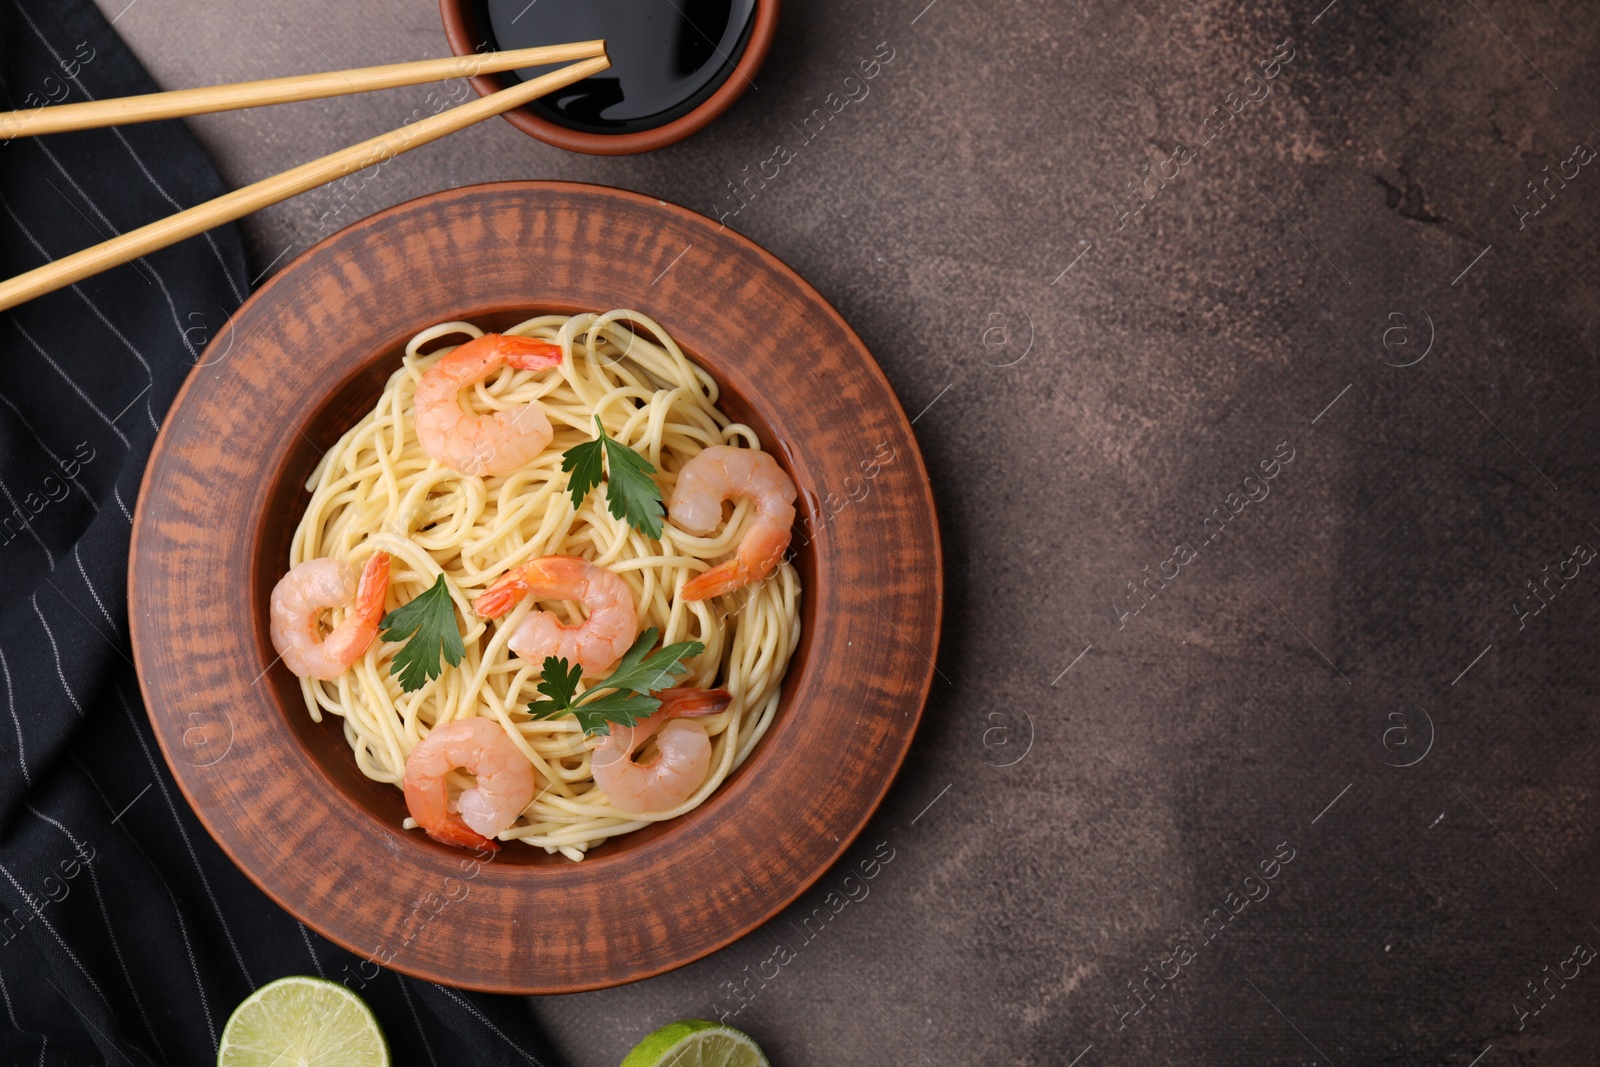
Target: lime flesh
696 1043
302 1022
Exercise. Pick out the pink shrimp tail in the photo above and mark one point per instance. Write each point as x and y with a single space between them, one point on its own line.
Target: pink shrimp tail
452 831
524 353
463 836
758 556
503 595
558 576
683 702
723 578
373 588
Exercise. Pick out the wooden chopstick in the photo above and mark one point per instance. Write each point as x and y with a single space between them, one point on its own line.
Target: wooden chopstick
90 114
241 202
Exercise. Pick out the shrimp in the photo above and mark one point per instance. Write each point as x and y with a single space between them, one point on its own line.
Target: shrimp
504 783
682 760
482 444
305 592
720 473
597 642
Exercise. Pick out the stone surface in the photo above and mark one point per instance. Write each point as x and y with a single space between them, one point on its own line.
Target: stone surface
1341 272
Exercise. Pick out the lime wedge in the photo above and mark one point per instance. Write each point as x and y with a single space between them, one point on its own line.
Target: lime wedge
302 1022
696 1043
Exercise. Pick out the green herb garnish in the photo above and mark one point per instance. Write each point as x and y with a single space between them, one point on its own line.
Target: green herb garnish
429 621
631 494
628 700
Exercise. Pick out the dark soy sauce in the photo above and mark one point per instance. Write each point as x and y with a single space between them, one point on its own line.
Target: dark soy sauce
667 56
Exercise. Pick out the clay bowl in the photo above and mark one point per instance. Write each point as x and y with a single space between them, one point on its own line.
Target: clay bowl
224 489
467 32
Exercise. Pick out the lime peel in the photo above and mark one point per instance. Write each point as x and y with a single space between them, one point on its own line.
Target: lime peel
699 1043
303 1022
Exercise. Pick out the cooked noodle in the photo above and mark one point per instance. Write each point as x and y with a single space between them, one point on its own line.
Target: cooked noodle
377 490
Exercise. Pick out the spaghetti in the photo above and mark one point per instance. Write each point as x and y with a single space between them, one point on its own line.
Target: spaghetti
377 490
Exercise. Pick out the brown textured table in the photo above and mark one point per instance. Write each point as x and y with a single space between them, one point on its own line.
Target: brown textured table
1322 392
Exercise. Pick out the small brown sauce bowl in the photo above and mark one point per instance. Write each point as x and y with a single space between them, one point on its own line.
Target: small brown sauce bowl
466 36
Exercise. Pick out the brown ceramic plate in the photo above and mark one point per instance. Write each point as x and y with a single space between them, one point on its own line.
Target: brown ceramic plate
302 359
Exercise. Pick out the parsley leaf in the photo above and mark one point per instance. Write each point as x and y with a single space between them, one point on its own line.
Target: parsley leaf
628 700
624 709
559 684
644 674
631 494
584 463
429 621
